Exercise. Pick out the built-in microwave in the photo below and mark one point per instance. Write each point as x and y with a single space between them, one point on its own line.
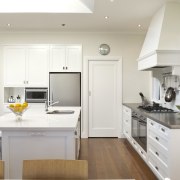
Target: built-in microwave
36 95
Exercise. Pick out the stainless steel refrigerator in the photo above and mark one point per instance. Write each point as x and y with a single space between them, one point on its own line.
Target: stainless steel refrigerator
65 88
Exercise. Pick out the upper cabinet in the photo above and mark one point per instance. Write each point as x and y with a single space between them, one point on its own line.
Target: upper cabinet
14 66
37 66
26 66
65 58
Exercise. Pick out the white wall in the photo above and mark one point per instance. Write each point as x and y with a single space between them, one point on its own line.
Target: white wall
126 45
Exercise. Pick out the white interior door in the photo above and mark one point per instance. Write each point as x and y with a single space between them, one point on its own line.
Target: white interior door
103 98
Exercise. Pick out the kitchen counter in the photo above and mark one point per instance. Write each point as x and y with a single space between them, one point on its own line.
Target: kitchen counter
39 136
37 119
170 120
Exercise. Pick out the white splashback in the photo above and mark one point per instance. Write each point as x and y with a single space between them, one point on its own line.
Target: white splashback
160 87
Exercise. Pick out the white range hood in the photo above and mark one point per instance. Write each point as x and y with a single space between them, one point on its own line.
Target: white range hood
161 47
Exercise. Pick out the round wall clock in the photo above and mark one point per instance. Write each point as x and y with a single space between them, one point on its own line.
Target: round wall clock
104 49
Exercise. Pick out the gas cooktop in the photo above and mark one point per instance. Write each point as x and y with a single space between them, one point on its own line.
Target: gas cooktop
156 109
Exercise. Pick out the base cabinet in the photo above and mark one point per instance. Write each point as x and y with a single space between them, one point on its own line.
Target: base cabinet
163 147
23 145
163 150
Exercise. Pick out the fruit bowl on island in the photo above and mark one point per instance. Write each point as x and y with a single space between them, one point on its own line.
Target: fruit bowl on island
18 109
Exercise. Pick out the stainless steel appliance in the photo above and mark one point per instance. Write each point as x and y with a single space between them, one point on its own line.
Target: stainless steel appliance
36 95
65 87
139 129
156 109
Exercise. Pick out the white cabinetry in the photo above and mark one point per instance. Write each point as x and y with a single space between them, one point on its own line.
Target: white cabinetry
26 66
37 66
19 145
14 66
163 150
127 127
127 122
65 58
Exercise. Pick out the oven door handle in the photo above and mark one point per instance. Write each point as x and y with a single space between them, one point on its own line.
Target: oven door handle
142 123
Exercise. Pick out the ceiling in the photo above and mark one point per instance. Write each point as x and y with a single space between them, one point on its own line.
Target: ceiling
124 16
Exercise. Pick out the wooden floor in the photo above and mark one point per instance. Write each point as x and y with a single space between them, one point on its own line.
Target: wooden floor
113 158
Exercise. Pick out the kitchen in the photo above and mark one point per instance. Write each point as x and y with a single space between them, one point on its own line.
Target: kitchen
123 46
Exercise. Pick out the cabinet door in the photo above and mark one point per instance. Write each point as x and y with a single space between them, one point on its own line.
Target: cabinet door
73 58
57 58
37 66
14 66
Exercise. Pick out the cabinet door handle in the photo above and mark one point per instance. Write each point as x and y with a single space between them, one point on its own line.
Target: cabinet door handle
152 124
162 129
157 138
24 82
142 152
126 132
157 168
126 120
66 67
157 153
27 82
75 132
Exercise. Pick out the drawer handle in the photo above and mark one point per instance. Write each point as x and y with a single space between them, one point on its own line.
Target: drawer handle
142 152
157 138
162 129
157 168
157 153
134 143
152 124
75 132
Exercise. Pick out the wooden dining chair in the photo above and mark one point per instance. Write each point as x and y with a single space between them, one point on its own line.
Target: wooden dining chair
1 169
53 169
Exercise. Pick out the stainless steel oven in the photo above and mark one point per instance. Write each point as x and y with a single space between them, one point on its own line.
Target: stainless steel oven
139 129
36 95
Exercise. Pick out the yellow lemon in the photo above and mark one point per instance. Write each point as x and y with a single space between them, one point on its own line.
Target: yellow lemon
25 104
11 105
17 105
16 109
20 109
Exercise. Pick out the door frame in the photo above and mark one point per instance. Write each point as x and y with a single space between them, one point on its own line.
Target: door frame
85 93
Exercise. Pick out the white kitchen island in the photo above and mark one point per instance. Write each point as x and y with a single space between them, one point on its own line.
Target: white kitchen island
38 136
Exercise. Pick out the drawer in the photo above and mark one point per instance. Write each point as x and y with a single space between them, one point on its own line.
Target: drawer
162 130
152 124
158 140
127 110
134 144
126 131
157 168
158 155
142 153
127 119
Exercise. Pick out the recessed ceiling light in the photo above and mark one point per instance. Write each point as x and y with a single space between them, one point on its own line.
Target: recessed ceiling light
139 25
112 0
106 17
8 25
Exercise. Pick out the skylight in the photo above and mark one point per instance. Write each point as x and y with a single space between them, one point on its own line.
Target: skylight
46 6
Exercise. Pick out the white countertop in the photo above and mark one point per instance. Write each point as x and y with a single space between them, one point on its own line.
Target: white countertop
35 118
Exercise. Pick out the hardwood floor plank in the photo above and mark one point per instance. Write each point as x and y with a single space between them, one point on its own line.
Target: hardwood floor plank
112 158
